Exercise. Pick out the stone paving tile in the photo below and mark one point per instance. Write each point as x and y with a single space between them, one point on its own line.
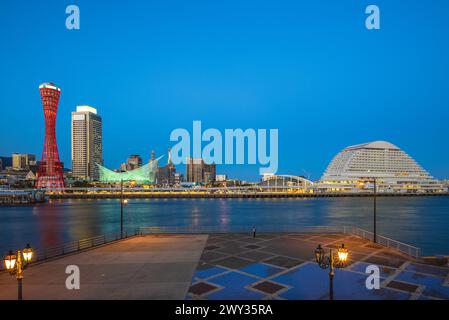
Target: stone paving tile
256 255
203 265
433 270
268 235
201 288
301 236
373 246
261 270
233 262
234 287
387 253
233 236
284 262
323 240
291 248
268 287
215 240
437 292
433 285
208 272
309 282
418 278
421 297
211 247
402 286
395 263
252 246
335 235
288 262
252 240
209 256
385 272
231 247
355 239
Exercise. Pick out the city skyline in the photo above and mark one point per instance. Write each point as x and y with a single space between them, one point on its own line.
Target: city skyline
344 84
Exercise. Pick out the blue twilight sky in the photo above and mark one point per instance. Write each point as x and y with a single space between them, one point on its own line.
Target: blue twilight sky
309 68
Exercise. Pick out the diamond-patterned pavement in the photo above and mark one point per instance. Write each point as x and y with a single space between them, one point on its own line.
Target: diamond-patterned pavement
282 266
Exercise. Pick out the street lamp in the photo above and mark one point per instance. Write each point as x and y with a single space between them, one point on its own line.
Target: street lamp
122 203
331 262
375 212
374 180
16 263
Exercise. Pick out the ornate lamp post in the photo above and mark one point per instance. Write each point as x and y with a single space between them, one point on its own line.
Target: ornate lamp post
331 261
16 263
374 180
122 203
375 212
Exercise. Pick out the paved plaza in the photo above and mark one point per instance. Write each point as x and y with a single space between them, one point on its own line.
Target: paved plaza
230 266
282 266
150 267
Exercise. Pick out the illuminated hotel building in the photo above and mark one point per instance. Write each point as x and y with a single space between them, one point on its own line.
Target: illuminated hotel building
356 167
87 146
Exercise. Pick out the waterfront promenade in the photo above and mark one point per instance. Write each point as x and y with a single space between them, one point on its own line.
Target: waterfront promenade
230 266
25 196
150 267
225 195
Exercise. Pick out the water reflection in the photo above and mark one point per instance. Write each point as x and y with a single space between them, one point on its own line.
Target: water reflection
422 221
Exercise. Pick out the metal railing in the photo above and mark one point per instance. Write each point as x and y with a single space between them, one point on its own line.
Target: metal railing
78 246
388 242
352 230
83 244
243 229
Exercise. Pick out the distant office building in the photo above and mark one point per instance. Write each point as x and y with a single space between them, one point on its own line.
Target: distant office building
6 162
199 172
22 161
178 178
221 177
1 164
87 143
355 167
166 175
134 161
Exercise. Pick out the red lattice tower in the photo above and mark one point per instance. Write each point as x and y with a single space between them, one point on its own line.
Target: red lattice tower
50 174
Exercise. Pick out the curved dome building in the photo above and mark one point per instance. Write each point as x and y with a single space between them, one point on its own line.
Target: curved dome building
356 167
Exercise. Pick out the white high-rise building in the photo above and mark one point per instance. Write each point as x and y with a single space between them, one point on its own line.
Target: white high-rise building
87 145
356 167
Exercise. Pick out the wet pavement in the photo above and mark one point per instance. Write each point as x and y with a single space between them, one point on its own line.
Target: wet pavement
282 266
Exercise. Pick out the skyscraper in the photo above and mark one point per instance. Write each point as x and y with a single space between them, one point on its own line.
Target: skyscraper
87 145
200 172
355 167
22 161
50 174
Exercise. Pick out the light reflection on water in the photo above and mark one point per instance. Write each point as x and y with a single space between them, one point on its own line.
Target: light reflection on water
421 221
